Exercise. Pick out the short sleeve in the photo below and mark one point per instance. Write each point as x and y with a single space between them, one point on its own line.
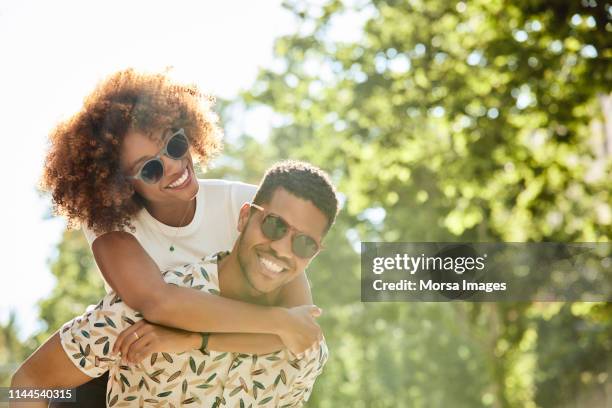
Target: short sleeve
241 193
88 339
90 236
311 367
277 379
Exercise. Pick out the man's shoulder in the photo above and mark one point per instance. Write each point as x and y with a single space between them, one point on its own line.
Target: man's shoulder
201 275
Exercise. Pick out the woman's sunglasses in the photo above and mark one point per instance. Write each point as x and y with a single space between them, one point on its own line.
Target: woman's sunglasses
274 227
176 148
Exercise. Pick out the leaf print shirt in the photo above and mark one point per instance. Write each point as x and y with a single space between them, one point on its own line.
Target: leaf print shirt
210 379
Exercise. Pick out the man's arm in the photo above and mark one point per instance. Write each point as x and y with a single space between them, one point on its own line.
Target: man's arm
245 343
153 338
165 338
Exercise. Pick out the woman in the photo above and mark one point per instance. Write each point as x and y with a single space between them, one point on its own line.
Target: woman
122 168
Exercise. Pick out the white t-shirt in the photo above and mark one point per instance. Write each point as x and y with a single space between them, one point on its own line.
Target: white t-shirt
212 229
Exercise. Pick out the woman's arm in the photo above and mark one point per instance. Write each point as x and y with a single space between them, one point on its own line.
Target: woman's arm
168 339
136 278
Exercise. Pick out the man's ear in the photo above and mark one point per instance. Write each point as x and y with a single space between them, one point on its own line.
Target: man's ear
243 217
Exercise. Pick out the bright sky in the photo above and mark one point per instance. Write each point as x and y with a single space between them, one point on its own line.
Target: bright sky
54 52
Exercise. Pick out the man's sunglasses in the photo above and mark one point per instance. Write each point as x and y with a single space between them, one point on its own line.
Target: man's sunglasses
176 148
274 227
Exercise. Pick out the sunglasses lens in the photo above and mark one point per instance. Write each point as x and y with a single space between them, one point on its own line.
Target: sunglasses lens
273 227
152 171
178 146
304 246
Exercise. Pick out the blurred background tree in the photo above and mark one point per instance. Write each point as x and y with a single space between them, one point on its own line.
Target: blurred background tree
450 121
438 121
79 283
12 351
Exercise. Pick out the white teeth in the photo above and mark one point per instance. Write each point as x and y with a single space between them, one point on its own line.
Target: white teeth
271 265
181 179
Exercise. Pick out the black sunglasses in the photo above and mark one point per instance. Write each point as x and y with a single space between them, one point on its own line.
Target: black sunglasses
175 148
274 227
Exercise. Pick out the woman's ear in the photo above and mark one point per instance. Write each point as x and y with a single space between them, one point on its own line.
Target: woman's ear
243 217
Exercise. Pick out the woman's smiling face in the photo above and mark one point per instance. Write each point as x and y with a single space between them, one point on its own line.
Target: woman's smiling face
178 183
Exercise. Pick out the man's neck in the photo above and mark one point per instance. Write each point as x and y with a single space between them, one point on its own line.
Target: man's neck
234 285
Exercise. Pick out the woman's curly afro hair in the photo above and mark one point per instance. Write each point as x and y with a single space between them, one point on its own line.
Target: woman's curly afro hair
82 170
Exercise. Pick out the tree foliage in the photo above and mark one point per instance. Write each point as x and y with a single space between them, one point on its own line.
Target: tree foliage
79 283
12 350
438 121
452 121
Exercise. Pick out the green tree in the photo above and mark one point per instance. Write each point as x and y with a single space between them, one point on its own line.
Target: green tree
79 283
444 121
12 350
78 286
438 121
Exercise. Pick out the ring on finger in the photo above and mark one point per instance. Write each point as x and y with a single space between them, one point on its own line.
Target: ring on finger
137 336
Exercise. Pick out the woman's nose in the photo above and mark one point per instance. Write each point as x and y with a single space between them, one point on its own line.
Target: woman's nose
172 167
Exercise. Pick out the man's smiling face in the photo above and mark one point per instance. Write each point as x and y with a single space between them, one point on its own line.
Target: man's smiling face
268 265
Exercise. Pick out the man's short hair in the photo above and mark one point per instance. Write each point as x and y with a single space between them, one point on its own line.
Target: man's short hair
303 180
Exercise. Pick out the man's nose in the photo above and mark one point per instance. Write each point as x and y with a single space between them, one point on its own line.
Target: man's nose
282 247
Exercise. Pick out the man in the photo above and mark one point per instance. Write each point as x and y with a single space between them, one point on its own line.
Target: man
280 233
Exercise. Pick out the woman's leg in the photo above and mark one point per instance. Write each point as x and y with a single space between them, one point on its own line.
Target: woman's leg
48 367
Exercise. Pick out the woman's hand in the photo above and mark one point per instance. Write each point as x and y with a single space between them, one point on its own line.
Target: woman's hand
142 339
299 331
